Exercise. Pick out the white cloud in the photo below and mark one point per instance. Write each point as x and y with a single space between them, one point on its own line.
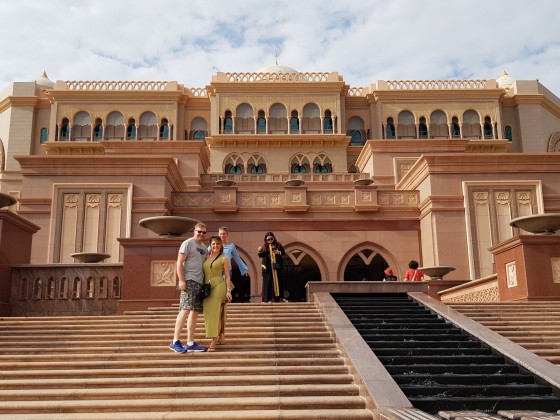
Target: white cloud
364 41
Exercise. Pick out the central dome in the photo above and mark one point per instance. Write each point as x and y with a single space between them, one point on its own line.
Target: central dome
277 68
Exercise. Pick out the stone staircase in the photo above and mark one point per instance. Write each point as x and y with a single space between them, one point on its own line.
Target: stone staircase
533 325
280 361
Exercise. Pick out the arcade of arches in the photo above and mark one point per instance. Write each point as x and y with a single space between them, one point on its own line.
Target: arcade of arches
300 266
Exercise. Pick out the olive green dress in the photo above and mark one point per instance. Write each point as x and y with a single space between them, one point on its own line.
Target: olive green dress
213 303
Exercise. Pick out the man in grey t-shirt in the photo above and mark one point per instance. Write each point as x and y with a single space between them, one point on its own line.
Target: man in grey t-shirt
192 255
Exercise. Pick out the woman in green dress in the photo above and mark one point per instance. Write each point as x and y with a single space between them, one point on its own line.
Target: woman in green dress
216 270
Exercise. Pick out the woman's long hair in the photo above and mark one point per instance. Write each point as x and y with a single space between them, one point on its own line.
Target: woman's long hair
219 241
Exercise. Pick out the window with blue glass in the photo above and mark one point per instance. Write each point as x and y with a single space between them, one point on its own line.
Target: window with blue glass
199 135
261 125
131 131
355 138
390 129
509 134
44 135
98 132
164 130
294 125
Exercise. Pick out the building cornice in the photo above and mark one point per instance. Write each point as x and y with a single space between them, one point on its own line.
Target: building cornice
278 140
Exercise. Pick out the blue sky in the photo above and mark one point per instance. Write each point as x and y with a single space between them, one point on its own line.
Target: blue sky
363 40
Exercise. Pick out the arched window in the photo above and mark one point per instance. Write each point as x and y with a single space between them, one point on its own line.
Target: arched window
261 125
438 125
422 128
390 129
148 126
98 130
509 134
353 169
244 122
327 123
164 130
44 135
322 164
300 165
131 130
256 164
471 125
65 130
233 164
81 129
114 130
356 131
455 130
294 123
277 120
50 293
311 119
406 128
228 123
488 133
199 128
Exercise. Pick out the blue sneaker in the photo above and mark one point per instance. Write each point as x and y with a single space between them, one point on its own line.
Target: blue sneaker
177 347
195 348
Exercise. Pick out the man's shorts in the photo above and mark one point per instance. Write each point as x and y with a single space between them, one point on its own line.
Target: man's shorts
190 298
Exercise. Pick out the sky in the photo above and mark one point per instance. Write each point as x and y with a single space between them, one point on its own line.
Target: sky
364 40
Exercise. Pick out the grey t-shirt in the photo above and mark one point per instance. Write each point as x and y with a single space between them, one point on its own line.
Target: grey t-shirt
196 254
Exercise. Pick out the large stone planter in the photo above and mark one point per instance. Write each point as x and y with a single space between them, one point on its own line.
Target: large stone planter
169 226
436 272
540 224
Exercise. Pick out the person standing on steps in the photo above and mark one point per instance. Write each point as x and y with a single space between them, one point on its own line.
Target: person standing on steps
192 255
216 270
272 254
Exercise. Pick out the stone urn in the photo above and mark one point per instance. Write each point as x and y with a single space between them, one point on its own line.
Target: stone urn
225 182
90 257
436 272
6 200
294 182
364 181
169 226
539 224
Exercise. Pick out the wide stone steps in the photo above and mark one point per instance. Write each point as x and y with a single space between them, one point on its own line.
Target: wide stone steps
280 361
533 325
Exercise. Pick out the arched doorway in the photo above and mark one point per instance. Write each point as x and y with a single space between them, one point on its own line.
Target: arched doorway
299 268
242 285
365 265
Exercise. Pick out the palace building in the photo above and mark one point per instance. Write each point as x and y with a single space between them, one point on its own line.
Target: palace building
350 179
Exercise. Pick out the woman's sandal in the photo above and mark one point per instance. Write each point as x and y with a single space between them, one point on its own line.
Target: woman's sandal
212 346
222 339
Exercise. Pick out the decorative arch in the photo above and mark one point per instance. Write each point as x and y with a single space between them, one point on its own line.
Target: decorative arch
322 164
311 121
244 121
256 164
299 164
114 130
302 264
406 126
234 164
148 126
199 129
278 119
366 252
438 124
554 142
81 127
356 131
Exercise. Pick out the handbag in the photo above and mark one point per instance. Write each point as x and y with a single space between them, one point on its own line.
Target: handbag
205 290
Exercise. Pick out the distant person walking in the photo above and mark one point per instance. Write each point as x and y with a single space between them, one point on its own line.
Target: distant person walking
389 276
192 255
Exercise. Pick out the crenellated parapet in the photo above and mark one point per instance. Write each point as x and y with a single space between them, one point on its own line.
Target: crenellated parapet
435 84
114 85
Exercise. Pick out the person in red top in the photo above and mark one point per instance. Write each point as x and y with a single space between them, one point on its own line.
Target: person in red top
413 274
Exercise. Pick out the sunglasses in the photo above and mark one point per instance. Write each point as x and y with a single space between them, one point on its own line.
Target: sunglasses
202 232
269 239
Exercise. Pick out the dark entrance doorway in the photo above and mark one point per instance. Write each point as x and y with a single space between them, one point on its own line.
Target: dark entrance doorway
297 276
365 265
242 289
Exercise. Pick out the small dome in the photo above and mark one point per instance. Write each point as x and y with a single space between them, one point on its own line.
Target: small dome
277 68
505 80
44 81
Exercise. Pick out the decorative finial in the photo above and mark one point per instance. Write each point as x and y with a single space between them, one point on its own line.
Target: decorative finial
504 73
276 60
